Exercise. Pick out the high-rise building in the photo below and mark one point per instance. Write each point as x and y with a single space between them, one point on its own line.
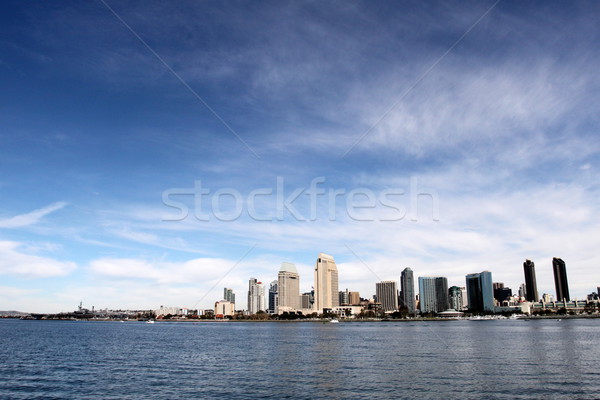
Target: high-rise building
306 300
273 297
289 286
256 296
523 291
560 279
229 295
326 283
502 294
465 298
353 298
441 293
344 297
407 287
387 295
531 292
480 292
433 294
262 298
455 295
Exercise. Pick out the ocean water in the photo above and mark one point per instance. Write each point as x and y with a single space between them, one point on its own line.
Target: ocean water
507 359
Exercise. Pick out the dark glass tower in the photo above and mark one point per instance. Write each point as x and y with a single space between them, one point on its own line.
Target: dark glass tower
407 289
480 291
560 279
273 300
441 294
531 292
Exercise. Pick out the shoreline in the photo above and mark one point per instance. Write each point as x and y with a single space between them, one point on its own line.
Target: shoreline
325 321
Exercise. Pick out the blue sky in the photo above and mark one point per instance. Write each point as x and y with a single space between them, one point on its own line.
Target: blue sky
501 132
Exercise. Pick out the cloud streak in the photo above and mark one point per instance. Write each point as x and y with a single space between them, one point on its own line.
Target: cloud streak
31 218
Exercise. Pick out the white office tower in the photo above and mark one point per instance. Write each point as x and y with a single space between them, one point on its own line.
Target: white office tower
288 286
256 296
326 283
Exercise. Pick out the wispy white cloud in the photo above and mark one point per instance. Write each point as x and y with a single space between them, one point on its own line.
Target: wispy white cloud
7 292
150 238
15 262
32 217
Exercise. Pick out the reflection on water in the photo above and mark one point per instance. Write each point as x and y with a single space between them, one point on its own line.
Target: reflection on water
454 359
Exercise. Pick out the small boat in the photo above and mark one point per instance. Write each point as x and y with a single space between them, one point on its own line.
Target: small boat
334 321
150 321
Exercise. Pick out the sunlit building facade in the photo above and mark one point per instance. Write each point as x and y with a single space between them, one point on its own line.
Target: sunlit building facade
326 283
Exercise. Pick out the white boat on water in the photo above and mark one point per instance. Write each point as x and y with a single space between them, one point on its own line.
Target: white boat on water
334 321
150 321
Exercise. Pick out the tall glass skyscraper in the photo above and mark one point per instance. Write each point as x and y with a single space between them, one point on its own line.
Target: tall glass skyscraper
480 291
560 279
531 292
433 294
228 295
407 287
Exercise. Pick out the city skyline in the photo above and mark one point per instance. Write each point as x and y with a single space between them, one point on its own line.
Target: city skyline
480 287
155 154
434 286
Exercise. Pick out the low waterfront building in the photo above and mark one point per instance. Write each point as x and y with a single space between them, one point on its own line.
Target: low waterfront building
450 314
173 311
575 306
347 311
224 308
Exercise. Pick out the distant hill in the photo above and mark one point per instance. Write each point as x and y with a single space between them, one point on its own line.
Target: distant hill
12 313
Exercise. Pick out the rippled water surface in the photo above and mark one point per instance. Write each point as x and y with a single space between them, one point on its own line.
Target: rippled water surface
437 360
